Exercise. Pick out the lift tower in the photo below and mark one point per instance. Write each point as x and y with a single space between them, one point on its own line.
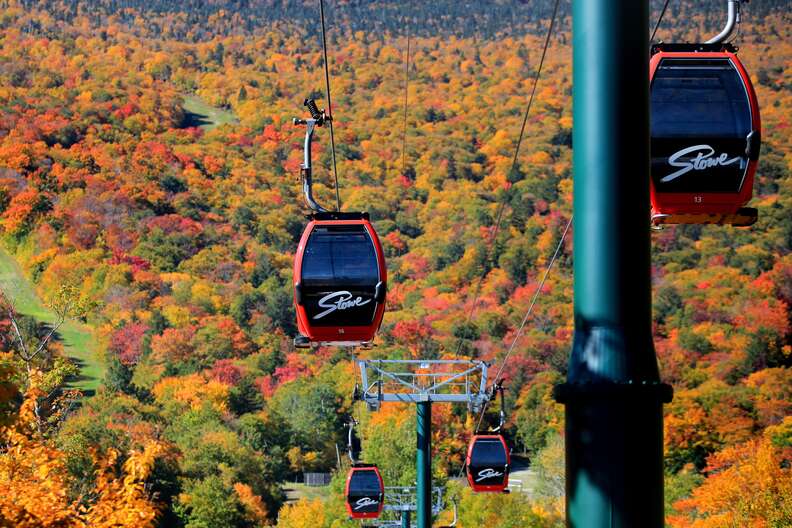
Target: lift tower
423 382
613 395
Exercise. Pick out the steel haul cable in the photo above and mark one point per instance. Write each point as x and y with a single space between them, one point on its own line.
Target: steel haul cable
406 86
659 19
498 224
535 297
502 205
329 103
528 313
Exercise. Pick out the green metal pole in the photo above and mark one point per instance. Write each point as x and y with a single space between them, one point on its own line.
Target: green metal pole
613 394
423 461
405 519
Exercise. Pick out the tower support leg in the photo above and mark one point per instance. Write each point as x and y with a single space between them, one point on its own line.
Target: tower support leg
424 464
613 395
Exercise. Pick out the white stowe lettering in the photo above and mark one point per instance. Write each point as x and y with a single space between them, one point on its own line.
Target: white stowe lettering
488 473
340 300
703 160
365 501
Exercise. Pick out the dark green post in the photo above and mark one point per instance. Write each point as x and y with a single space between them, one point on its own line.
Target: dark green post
613 394
405 519
423 461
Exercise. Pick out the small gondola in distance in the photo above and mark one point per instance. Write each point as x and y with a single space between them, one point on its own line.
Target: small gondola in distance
705 135
487 463
340 279
365 492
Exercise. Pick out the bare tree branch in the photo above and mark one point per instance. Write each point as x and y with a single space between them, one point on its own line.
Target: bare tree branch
22 345
45 340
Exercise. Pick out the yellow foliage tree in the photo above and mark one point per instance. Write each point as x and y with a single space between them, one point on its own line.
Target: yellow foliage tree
32 476
303 514
192 391
123 499
35 481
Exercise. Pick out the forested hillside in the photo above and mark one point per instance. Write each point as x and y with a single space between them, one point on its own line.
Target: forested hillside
194 20
174 243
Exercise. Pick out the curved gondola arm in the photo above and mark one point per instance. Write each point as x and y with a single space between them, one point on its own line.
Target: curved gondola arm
456 516
318 118
353 444
502 415
731 22
498 388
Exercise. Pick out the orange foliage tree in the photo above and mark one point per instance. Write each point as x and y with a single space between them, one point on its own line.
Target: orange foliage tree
749 485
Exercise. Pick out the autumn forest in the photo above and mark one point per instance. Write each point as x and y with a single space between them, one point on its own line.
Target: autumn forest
150 209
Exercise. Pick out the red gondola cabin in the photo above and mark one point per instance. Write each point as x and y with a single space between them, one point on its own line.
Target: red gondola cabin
365 492
487 463
340 280
705 135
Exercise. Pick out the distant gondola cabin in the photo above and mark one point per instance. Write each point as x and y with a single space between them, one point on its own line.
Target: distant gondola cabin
487 463
365 492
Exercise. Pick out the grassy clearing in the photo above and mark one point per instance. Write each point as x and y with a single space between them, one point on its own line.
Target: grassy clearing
295 492
523 480
207 117
77 338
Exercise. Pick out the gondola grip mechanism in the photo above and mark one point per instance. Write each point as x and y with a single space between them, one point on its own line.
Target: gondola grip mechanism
317 115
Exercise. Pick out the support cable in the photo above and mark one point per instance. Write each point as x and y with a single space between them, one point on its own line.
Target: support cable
502 205
329 103
517 336
535 297
528 313
659 19
406 86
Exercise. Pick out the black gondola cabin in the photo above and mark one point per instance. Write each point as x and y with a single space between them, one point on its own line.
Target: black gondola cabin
487 463
365 492
340 279
705 135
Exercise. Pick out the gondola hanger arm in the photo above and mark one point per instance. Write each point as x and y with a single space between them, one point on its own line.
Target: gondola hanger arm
456 516
502 415
317 119
732 20
498 389
351 447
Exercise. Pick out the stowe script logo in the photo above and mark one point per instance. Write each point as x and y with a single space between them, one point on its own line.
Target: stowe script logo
340 300
703 160
365 501
488 473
